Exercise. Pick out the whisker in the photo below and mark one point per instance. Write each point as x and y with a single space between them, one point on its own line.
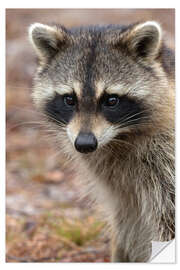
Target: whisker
27 110
25 123
108 149
132 115
119 142
134 120
19 87
135 125
54 119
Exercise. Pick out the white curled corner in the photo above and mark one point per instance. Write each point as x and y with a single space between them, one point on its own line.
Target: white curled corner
163 252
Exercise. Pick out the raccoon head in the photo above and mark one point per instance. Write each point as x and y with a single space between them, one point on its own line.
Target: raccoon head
99 82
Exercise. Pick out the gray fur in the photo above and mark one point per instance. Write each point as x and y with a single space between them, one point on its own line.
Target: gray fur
131 174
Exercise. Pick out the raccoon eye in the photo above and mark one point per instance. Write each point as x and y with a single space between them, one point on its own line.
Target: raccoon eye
112 101
69 100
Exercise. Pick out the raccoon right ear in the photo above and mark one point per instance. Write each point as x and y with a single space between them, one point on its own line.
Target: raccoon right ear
143 40
47 40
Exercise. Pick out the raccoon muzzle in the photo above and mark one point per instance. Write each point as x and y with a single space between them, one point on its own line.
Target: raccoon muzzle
86 142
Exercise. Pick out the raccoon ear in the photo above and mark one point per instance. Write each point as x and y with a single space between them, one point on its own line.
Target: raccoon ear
143 40
46 40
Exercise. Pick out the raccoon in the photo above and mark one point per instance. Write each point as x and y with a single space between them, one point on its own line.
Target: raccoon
107 92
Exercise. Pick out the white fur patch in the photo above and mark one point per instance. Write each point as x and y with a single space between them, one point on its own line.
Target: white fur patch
120 89
143 26
63 89
35 26
99 88
149 23
77 86
71 135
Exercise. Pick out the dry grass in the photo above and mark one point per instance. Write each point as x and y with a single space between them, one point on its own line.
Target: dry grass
51 237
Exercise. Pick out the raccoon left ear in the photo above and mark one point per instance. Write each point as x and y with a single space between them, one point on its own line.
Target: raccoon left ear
47 40
143 40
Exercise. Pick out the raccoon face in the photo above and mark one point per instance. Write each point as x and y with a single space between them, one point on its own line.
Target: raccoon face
98 83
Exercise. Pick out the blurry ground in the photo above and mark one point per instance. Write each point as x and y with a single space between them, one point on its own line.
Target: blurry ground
45 219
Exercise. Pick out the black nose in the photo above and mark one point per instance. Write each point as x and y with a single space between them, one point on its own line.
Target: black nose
85 142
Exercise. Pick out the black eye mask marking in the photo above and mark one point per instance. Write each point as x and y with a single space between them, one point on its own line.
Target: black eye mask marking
126 112
58 110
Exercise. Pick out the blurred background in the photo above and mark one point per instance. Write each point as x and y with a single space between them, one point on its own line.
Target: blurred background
46 220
